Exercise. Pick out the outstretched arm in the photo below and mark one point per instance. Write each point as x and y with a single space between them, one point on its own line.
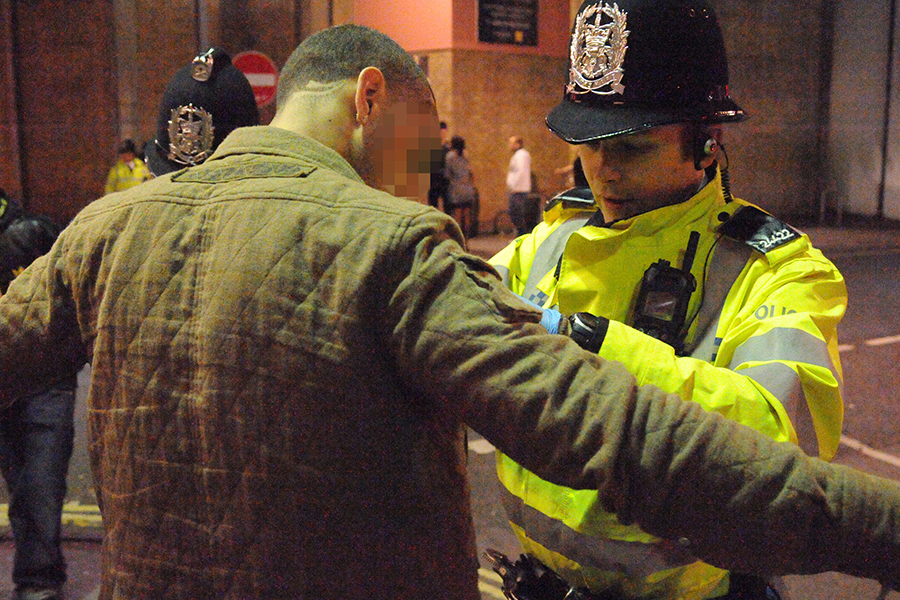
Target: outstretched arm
583 422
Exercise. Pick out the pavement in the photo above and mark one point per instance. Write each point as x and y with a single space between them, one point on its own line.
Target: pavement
83 560
81 544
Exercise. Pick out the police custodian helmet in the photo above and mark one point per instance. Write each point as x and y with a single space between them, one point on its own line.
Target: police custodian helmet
204 102
636 64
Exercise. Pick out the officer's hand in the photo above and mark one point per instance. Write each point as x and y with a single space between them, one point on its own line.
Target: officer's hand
551 317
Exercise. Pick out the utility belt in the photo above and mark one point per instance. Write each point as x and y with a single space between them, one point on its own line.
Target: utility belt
529 579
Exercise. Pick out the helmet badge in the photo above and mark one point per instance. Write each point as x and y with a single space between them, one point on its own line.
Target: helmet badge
190 135
202 66
599 42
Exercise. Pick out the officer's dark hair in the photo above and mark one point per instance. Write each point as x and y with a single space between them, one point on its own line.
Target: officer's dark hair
342 52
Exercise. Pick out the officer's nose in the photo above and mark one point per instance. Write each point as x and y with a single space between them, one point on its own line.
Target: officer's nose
604 163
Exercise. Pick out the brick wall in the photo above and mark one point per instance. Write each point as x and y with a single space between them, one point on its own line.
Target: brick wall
66 109
92 72
779 58
489 97
10 175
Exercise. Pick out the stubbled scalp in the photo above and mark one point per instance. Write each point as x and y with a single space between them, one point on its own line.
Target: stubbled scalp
341 53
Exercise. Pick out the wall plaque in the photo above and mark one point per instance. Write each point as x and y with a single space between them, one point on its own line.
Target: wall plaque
508 22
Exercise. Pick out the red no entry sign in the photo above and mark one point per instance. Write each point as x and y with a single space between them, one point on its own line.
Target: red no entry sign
261 72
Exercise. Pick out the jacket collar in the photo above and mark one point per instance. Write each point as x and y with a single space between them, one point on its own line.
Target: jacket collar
701 210
274 141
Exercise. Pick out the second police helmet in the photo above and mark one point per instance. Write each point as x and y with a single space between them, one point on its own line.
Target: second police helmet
203 102
637 64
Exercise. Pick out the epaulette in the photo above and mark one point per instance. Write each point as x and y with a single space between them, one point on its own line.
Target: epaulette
758 229
580 198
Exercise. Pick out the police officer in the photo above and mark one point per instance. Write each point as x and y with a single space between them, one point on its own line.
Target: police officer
36 435
701 294
203 102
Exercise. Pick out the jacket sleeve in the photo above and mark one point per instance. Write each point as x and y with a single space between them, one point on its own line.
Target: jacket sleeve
515 260
455 332
39 329
776 366
508 263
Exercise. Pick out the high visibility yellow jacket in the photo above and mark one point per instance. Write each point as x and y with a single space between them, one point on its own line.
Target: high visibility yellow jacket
762 351
121 176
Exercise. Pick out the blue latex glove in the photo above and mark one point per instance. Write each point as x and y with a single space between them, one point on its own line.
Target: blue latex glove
551 318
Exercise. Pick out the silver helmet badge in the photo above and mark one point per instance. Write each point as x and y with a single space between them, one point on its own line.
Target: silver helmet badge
599 42
190 135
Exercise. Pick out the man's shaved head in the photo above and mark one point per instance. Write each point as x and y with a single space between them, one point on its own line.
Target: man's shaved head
358 92
341 53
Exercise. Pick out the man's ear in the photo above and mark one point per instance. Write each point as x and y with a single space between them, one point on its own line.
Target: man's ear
371 95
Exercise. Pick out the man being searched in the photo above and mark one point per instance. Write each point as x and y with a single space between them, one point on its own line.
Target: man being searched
704 295
284 354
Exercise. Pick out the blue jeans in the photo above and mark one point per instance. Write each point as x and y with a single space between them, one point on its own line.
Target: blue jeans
36 437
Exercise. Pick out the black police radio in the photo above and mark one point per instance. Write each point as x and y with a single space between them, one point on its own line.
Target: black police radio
664 297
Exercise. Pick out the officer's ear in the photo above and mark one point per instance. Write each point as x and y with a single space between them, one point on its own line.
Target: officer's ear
370 98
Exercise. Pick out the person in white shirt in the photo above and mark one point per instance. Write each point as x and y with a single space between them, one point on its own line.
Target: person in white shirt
518 182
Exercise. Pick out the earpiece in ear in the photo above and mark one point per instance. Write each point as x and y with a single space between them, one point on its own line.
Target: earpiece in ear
704 148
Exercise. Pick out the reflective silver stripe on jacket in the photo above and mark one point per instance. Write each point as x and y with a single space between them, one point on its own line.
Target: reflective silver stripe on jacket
504 274
635 558
548 254
786 344
728 261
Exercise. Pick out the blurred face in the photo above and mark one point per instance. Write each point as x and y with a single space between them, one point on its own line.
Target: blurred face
406 147
633 174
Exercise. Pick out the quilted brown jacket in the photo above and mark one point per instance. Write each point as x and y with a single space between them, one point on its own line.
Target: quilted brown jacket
283 359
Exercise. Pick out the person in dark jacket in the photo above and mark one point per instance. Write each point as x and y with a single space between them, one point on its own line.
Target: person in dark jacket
461 196
36 434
